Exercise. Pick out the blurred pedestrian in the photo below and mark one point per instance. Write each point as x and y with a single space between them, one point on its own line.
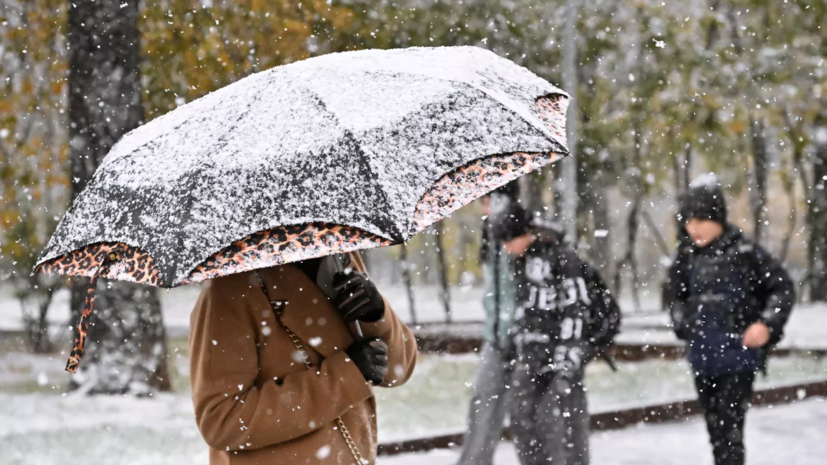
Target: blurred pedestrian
488 407
564 318
730 303
277 376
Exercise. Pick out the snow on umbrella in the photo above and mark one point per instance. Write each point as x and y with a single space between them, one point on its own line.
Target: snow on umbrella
329 155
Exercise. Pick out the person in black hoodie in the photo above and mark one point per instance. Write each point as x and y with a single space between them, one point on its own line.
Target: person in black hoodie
565 316
730 302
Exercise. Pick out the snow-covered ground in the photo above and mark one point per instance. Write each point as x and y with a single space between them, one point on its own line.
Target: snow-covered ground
789 435
39 425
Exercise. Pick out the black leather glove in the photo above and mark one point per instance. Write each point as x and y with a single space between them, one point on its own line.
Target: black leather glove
357 298
371 357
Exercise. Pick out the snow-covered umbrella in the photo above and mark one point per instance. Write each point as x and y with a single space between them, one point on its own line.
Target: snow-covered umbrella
329 155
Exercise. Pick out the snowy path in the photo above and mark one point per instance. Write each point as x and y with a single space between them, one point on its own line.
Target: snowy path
36 423
789 435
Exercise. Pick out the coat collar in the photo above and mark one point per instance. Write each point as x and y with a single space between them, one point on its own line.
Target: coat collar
308 312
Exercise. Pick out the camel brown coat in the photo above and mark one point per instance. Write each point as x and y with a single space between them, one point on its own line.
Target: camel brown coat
256 403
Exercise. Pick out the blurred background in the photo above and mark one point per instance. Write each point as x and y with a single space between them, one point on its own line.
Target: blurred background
663 91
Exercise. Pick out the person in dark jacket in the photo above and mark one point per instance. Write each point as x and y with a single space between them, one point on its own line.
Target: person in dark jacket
565 316
730 302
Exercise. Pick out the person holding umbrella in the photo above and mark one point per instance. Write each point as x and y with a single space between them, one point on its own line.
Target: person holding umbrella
242 188
730 302
565 317
277 376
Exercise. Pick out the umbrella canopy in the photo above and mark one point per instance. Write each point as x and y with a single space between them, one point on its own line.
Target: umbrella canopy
328 155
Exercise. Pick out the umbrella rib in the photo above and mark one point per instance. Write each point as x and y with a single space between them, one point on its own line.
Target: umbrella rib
397 235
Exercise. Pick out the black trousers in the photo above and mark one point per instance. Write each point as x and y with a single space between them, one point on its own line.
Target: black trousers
725 400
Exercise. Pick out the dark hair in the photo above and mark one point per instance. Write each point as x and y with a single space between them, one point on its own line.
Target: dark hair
508 219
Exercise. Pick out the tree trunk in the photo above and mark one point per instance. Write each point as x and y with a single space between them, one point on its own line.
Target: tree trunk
683 166
35 306
687 166
818 215
442 271
653 228
568 184
406 277
466 250
788 183
795 135
127 348
602 225
594 209
677 172
534 183
712 29
126 352
758 197
629 257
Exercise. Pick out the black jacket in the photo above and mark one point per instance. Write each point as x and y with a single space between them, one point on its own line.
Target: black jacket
718 291
564 310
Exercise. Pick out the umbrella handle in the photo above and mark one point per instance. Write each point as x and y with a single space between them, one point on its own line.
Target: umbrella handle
340 267
82 328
